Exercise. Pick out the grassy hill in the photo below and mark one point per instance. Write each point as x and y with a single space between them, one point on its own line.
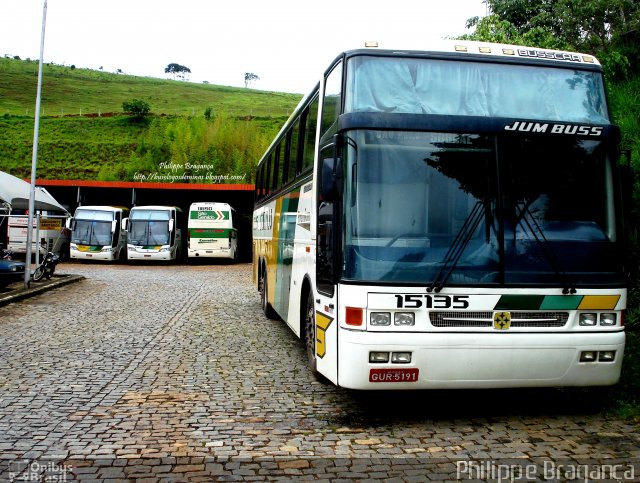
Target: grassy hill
70 91
85 135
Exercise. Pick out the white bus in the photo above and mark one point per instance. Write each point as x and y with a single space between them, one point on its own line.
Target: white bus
448 219
98 233
212 231
154 233
49 233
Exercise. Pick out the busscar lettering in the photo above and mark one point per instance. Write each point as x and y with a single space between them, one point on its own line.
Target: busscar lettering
546 128
430 301
544 54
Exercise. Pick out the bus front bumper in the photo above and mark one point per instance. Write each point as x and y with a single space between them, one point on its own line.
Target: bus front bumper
91 255
148 255
480 360
211 253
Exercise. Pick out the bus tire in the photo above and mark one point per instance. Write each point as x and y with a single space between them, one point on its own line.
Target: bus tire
264 298
310 334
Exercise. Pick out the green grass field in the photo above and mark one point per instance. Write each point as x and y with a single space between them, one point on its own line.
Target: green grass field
69 91
85 135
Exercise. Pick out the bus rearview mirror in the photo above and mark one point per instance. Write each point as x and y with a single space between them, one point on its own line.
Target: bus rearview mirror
331 179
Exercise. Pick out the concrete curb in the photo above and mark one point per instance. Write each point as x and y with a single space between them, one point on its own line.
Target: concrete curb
37 288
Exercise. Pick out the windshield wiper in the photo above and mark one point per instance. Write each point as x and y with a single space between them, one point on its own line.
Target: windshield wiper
458 246
527 220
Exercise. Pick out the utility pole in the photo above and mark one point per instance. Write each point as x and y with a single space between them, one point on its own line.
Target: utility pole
34 158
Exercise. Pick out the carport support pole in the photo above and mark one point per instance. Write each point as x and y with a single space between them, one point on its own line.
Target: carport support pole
34 158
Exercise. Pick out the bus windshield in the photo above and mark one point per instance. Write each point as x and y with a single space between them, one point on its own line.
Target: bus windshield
97 233
149 227
93 227
478 209
462 88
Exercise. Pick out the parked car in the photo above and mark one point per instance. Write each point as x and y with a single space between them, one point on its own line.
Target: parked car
11 271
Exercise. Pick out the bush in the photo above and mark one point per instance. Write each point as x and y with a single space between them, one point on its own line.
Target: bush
137 107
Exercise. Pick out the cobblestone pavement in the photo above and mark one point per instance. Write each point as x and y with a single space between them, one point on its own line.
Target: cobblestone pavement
172 373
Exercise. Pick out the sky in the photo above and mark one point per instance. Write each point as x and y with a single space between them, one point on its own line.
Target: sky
286 43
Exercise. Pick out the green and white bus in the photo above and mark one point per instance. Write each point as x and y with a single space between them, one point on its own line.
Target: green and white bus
448 218
212 231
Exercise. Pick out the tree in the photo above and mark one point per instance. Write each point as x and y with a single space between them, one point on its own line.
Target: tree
585 25
137 107
249 77
177 70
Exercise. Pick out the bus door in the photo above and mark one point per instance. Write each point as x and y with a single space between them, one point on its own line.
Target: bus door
327 265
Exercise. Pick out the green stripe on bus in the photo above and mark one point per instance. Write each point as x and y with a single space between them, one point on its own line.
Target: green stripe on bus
561 302
519 302
211 215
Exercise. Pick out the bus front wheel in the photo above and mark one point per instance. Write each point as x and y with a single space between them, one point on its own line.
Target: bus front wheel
264 298
310 333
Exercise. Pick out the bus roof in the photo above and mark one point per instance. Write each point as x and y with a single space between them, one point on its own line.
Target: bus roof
102 208
212 204
156 208
481 49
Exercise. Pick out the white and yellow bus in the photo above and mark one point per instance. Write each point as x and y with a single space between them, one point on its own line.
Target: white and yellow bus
212 231
154 233
49 233
448 219
98 233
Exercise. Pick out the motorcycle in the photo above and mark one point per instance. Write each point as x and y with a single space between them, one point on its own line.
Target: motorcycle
47 267
6 254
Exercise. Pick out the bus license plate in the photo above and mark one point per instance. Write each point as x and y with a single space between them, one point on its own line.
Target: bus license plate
393 375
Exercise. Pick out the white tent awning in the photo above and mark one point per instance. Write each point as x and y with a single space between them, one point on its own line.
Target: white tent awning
15 192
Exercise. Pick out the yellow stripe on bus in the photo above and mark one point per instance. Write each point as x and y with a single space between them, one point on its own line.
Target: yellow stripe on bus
599 302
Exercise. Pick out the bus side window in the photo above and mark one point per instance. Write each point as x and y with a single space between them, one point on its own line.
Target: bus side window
331 104
278 180
263 182
293 151
311 122
258 188
267 178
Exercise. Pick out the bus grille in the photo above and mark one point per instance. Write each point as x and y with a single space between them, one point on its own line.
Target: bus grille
485 319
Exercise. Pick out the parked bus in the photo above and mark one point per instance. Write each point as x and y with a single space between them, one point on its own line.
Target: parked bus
98 233
154 233
212 231
448 219
49 233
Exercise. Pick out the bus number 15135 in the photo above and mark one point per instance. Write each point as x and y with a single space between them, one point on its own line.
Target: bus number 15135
430 301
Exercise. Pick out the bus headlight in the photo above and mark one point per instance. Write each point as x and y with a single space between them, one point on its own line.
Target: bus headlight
588 319
380 318
606 356
588 356
404 318
378 357
608 319
401 357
